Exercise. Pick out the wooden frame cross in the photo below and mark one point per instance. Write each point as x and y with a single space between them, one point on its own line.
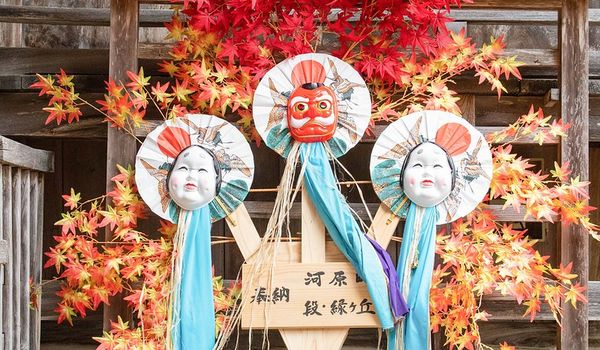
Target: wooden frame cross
329 330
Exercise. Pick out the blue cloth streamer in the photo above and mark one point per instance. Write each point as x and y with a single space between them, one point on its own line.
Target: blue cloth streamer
342 227
416 324
195 328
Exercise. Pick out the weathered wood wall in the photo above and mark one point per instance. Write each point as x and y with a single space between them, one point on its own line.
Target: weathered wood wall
82 49
21 206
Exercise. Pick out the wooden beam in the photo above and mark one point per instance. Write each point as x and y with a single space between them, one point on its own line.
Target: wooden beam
11 34
502 308
18 61
531 57
499 4
574 247
263 210
23 116
42 61
157 17
76 16
16 154
515 4
487 17
121 148
464 84
149 125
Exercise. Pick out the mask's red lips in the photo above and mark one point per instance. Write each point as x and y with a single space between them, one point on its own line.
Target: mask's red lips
190 186
427 183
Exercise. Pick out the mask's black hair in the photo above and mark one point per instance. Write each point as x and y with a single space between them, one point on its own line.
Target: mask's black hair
312 86
450 162
218 170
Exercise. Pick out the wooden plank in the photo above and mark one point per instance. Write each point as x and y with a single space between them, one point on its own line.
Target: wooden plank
498 4
149 125
7 229
487 17
76 16
514 4
243 230
94 127
531 57
464 84
313 232
157 17
575 149
313 251
37 210
523 335
11 34
501 308
95 61
24 251
16 154
120 148
42 61
17 280
5 254
384 225
290 313
3 249
263 209
23 114
595 215
467 107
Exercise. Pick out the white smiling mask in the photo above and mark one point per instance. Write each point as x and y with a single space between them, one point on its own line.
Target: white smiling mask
427 178
193 181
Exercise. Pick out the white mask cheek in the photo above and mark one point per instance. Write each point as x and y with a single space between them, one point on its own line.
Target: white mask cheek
192 200
176 181
444 181
427 196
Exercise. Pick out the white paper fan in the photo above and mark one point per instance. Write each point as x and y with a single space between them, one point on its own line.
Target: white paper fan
271 97
157 154
473 167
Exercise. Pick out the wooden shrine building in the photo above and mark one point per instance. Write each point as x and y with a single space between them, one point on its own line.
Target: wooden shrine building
559 41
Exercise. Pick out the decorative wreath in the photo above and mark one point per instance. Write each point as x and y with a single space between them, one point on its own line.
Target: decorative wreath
226 144
467 151
274 102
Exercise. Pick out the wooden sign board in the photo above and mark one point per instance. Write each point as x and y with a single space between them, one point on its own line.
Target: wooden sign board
308 295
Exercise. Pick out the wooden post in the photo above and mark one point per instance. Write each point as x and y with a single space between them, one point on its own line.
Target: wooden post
120 148
575 149
11 34
313 251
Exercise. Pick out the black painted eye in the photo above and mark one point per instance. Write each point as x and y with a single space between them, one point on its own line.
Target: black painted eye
437 166
418 165
202 171
183 167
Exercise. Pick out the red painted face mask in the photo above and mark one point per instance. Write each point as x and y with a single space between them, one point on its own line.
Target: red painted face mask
312 113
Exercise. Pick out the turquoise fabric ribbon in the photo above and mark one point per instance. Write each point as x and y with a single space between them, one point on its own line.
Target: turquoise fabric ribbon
416 330
195 327
335 213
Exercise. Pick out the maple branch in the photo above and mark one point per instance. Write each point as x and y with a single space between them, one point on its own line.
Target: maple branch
109 118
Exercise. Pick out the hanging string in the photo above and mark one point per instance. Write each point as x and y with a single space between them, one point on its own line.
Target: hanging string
264 258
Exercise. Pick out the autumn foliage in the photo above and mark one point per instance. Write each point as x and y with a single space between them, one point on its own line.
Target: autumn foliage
408 58
91 270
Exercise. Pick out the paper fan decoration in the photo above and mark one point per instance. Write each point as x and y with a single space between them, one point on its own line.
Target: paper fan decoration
310 98
226 144
468 150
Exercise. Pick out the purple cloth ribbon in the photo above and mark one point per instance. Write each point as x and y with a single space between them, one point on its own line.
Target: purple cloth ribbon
399 307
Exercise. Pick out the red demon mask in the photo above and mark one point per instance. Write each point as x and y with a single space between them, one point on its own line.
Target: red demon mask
312 113
312 107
